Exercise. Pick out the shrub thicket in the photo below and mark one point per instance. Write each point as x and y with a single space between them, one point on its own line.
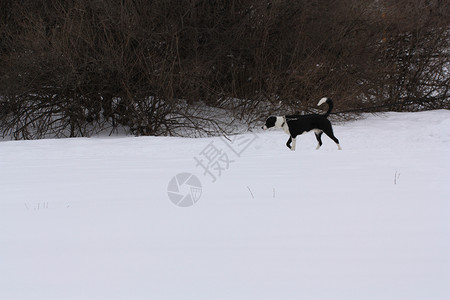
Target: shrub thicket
75 67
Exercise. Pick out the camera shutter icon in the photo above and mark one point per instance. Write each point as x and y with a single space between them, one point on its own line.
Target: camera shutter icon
184 189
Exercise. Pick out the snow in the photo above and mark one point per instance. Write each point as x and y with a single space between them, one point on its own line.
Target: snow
92 219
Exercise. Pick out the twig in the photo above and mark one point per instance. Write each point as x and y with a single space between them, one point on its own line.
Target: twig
250 192
396 177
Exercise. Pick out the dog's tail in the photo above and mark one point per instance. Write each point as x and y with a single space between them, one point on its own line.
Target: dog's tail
330 105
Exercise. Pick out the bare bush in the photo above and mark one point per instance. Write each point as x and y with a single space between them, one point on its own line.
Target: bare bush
74 68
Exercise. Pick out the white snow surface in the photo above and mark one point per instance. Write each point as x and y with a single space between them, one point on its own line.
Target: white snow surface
90 218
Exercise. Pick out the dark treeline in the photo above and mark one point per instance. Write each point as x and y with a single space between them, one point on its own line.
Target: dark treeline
76 67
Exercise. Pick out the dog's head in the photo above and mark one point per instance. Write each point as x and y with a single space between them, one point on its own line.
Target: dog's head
270 122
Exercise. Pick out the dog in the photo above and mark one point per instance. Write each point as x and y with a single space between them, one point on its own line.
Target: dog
295 125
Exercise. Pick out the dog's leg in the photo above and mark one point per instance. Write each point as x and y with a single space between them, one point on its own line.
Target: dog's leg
288 143
318 137
329 131
293 144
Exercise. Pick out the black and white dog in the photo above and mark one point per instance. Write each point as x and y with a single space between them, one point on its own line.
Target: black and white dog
295 125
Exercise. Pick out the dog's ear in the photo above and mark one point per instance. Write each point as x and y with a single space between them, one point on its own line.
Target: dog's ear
270 122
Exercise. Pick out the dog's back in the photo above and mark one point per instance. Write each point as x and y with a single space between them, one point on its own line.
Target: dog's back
299 124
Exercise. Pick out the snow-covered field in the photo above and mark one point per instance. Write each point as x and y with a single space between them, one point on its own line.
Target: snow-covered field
92 218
